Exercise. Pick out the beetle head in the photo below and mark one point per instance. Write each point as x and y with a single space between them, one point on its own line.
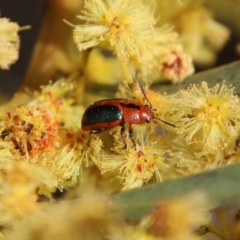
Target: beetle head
147 113
149 110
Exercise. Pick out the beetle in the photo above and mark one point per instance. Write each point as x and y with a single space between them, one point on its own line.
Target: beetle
109 113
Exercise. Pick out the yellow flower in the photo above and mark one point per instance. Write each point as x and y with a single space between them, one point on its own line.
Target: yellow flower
229 155
6 149
166 59
53 93
201 36
148 67
174 63
177 218
124 91
20 183
163 107
187 160
208 116
126 26
32 130
59 97
194 158
88 217
77 150
9 43
137 166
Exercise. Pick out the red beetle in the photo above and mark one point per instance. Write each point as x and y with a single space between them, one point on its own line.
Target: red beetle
109 113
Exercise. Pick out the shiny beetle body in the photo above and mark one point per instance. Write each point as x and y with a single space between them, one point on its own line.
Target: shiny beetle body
109 113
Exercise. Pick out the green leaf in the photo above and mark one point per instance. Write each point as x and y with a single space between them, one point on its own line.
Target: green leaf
222 188
230 73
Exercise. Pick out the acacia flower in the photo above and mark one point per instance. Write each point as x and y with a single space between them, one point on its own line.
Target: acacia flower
6 149
229 155
166 60
126 26
53 93
174 63
9 43
20 183
186 156
76 150
201 36
177 218
194 158
163 107
138 165
88 217
124 91
59 97
32 130
148 67
208 116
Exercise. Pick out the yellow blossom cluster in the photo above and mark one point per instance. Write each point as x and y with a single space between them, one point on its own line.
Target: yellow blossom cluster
201 36
128 29
20 184
46 131
92 216
9 43
59 97
207 126
124 25
138 165
77 150
44 150
173 218
88 217
32 130
203 134
208 115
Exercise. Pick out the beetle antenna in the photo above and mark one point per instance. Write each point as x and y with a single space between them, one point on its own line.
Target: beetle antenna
172 125
144 93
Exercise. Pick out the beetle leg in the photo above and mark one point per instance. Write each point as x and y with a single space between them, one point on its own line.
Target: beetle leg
89 140
131 135
95 131
122 134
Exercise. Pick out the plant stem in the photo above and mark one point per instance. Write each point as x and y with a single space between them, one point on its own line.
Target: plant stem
27 27
129 79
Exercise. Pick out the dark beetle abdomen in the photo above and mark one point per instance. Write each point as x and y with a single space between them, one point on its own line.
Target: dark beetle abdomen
101 117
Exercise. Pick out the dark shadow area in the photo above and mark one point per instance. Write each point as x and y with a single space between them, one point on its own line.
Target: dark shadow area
24 12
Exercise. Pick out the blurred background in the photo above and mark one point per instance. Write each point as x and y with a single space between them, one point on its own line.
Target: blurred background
24 12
